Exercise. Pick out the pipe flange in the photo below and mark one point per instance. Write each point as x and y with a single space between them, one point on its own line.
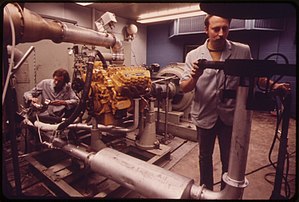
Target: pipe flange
196 191
235 183
63 27
22 22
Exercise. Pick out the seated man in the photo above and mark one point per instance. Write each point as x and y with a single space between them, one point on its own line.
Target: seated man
58 91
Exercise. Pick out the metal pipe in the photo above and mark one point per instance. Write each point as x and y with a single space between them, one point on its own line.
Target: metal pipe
111 128
10 103
25 21
166 111
80 35
13 34
77 152
155 182
147 179
18 54
45 126
103 128
235 177
114 57
22 60
147 135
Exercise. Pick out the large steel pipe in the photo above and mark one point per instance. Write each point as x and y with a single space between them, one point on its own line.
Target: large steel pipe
147 179
31 27
235 177
80 35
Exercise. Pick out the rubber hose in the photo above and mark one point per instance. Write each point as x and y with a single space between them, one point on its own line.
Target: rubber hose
81 105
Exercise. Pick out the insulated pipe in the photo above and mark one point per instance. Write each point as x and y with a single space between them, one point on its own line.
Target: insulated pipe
103 128
235 177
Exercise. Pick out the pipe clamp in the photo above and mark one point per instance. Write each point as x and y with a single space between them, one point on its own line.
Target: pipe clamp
235 183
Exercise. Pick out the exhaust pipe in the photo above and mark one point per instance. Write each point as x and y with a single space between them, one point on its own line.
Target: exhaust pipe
235 177
147 179
155 182
31 27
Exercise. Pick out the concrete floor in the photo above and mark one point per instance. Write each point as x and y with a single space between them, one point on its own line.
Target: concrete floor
262 134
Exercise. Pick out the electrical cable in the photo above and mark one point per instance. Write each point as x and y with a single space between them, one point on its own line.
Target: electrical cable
278 121
285 176
287 188
279 113
12 27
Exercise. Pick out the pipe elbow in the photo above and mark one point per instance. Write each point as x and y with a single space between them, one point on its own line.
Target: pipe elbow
228 192
18 54
117 47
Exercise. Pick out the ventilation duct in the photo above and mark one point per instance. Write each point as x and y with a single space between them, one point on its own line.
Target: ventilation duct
195 25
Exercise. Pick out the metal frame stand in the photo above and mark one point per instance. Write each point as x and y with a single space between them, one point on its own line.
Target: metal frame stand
282 150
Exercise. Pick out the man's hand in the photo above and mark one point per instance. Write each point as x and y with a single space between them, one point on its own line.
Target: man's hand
281 88
58 102
34 100
197 71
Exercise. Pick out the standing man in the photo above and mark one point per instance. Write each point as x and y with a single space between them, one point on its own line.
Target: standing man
58 90
210 112
212 115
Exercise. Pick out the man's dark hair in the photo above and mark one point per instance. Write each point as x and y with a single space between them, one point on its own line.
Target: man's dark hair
207 19
62 72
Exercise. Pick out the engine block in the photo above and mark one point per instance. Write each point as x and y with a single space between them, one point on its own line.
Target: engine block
113 89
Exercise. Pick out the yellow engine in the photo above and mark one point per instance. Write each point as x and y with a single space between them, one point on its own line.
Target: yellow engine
113 89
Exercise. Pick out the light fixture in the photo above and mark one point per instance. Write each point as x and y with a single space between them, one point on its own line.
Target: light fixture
83 4
170 14
129 32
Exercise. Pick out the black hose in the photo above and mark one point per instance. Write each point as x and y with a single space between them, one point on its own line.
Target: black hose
99 54
82 103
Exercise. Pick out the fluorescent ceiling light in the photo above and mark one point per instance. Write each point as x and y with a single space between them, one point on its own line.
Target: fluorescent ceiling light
170 14
83 4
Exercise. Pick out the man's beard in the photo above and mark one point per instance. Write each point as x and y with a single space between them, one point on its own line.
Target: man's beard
57 89
220 40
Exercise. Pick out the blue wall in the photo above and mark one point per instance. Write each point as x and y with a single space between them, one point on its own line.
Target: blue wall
164 50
